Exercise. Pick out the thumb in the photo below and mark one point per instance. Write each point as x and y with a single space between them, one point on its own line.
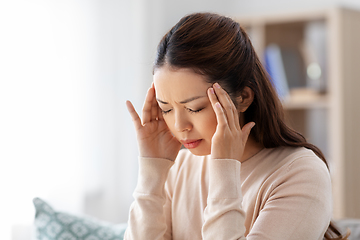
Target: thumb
246 130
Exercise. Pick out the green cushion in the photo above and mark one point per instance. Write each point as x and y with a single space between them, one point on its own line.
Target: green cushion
54 225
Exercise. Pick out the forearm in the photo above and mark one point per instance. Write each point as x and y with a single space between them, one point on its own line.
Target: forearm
147 217
224 216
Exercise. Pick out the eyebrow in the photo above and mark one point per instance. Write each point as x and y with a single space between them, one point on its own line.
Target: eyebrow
182 102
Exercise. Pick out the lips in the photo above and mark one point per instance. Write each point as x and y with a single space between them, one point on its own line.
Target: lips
191 143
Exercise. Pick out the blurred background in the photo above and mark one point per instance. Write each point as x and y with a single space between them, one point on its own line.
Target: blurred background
66 69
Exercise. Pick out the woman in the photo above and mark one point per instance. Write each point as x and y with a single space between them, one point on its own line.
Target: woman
237 180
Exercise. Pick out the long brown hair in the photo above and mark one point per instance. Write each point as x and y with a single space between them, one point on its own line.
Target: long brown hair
219 48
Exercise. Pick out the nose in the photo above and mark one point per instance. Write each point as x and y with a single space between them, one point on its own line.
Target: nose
182 123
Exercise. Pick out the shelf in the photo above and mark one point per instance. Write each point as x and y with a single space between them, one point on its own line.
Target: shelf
305 99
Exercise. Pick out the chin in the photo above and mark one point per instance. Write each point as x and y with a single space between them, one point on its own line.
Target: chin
200 152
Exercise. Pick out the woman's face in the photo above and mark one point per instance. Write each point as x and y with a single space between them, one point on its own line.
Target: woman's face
187 111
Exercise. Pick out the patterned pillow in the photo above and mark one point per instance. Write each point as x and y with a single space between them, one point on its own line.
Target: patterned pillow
53 225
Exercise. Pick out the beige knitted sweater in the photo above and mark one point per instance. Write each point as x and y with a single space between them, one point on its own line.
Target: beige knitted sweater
278 194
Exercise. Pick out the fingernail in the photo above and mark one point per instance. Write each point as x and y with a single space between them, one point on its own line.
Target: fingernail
216 85
212 91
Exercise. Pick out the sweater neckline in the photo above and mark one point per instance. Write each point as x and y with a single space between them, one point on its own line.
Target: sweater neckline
260 155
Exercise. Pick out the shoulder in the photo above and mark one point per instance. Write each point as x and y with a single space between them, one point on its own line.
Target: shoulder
290 158
296 191
302 170
288 168
303 160
282 160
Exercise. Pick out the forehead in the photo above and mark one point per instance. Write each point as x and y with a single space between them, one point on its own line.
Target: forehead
180 84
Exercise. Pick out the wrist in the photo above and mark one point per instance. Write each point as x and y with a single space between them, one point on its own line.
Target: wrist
152 175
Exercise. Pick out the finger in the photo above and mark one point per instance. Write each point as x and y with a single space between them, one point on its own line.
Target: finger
219 112
235 112
154 108
159 115
246 131
212 96
227 104
147 108
135 117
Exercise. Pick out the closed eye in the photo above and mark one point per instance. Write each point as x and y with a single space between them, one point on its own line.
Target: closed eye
188 109
165 112
194 111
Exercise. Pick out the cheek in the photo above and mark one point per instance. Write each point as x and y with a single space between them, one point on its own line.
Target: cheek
208 124
170 123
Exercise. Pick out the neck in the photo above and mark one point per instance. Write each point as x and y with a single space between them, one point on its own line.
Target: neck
251 149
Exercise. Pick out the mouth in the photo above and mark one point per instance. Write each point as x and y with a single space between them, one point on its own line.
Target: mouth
191 143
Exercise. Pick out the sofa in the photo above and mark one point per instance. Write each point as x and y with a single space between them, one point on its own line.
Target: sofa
50 224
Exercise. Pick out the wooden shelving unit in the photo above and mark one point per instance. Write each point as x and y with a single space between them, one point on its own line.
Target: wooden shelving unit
329 119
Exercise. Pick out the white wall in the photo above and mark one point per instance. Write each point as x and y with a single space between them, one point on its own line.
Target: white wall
47 57
111 145
173 10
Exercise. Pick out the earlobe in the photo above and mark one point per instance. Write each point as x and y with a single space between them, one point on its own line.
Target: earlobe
245 99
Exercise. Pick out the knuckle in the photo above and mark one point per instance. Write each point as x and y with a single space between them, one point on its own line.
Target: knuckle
220 112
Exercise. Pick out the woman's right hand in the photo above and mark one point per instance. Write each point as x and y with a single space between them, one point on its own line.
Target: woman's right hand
153 135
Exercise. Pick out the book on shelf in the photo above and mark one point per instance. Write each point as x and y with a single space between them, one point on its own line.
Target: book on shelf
276 70
286 69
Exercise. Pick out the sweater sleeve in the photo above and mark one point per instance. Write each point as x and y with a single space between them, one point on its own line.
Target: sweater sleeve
148 213
223 215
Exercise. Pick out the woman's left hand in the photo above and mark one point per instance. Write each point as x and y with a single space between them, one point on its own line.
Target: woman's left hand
229 139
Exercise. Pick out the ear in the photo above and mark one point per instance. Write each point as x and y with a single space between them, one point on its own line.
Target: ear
245 99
